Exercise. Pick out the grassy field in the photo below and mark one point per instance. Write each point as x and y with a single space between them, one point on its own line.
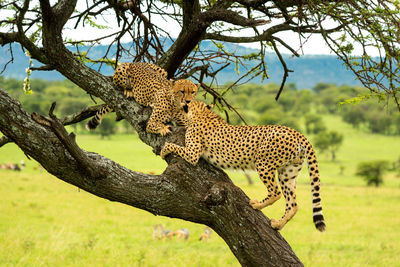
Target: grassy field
46 222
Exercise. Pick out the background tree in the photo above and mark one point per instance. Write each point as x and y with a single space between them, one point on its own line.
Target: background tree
314 124
379 122
107 127
328 141
200 193
354 115
372 171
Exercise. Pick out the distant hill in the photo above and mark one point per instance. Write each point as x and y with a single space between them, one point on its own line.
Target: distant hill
308 70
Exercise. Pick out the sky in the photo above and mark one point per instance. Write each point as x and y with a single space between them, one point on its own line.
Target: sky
314 45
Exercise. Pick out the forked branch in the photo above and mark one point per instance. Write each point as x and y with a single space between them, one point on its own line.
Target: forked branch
68 140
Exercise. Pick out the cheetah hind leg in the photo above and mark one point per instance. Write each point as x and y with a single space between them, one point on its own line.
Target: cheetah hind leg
268 178
288 178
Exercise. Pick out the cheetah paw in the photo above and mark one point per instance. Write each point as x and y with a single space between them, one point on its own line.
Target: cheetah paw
166 130
163 153
165 150
255 204
128 94
275 224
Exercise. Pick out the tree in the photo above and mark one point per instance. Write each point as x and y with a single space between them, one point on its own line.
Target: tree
201 193
372 171
314 124
379 122
329 141
354 115
396 122
107 127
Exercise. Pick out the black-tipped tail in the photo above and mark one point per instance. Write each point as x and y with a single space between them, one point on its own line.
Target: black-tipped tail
318 218
319 222
93 123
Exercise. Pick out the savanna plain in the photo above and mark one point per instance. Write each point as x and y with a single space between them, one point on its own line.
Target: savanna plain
46 222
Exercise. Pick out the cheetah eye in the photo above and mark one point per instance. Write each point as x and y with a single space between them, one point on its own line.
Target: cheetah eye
183 92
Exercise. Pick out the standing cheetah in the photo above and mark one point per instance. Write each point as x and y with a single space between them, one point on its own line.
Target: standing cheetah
149 86
267 149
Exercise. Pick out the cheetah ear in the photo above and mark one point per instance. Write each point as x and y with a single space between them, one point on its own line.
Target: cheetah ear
210 106
198 85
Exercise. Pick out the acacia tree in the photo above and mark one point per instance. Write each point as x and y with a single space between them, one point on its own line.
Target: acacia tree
329 141
202 193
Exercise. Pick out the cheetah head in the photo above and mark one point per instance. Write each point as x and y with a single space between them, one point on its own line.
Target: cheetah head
196 109
185 91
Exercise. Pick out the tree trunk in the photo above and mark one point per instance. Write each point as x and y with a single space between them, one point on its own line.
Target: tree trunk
202 194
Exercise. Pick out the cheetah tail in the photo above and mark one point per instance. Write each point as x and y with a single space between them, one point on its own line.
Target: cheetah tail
313 170
95 121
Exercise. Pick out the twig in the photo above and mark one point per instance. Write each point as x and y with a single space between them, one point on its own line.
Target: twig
285 69
8 62
216 95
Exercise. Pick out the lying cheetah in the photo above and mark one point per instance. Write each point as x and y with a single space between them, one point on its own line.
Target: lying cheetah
267 149
149 86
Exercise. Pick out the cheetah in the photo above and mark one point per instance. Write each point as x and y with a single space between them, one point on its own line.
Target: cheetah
149 86
269 149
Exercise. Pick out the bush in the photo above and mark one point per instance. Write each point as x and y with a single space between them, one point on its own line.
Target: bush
372 171
354 115
107 126
329 141
314 124
271 116
379 122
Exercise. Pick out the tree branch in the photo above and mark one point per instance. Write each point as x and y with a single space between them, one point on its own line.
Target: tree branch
285 69
230 17
81 115
190 9
6 38
190 36
67 120
265 36
69 143
20 36
4 140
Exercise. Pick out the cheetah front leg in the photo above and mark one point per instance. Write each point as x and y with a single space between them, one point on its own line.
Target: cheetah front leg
157 120
154 126
181 119
191 152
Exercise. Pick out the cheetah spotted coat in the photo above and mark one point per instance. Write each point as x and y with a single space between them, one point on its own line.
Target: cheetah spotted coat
269 149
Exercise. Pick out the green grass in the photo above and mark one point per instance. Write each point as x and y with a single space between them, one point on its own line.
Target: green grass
46 222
